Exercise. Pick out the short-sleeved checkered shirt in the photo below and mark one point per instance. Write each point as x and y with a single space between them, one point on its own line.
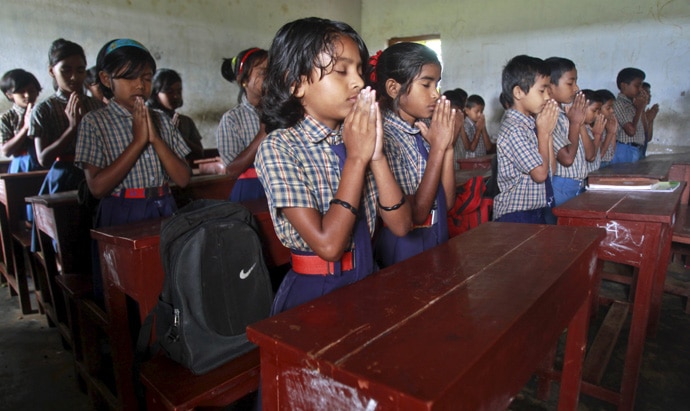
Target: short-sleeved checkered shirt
11 122
593 165
236 130
578 169
518 154
298 168
610 150
49 121
404 159
105 134
624 110
470 130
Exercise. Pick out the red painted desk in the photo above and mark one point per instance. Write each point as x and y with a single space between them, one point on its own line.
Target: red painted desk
638 227
461 326
131 268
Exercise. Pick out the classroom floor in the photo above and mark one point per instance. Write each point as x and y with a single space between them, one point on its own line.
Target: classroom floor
36 372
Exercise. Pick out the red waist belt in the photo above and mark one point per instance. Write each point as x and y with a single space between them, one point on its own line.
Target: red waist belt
315 265
148 192
248 173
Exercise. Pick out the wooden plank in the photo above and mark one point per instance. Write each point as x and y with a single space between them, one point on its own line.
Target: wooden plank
600 352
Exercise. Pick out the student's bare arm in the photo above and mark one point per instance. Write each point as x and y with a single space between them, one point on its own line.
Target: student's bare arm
546 122
576 116
245 158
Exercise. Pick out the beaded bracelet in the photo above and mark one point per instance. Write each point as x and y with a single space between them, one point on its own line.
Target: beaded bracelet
394 206
345 204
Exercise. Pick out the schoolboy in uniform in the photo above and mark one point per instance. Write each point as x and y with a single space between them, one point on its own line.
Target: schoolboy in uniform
524 146
629 109
571 151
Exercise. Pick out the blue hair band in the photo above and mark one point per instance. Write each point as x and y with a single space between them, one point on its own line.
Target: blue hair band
116 44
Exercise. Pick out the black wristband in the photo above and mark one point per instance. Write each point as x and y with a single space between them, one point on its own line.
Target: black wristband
345 204
394 206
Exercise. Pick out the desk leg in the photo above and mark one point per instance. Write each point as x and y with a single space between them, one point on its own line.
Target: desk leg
660 278
116 302
575 345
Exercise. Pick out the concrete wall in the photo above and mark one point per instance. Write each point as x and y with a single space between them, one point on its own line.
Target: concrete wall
193 36
601 37
190 36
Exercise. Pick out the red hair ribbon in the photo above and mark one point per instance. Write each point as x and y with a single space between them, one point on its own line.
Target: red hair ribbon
247 54
373 61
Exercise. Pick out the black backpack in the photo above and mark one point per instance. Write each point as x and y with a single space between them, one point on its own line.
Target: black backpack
216 283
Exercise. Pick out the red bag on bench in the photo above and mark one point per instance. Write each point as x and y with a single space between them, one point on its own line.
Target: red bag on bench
470 208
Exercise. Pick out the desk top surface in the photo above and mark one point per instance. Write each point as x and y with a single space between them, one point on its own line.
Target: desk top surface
623 205
421 326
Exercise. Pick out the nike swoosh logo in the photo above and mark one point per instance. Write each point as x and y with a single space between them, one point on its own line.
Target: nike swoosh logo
245 274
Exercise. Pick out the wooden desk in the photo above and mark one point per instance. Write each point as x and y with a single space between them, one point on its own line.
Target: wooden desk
638 227
461 326
476 162
203 186
131 268
13 189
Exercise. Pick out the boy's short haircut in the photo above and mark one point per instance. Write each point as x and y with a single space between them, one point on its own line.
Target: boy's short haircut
592 96
16 80
646 85
628 75
521 71
475 100
559 66
457 97
605 95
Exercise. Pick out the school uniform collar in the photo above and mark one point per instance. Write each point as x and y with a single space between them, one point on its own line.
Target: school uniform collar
18 109
517 116
245 102
396 121
624 97
117 109
316 132
62 96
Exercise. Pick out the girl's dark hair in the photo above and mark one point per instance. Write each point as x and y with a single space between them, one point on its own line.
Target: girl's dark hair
605 95
457 97
91 76
123 58
162 81
238 68
521 71
61 49
593 97
401 62
293 58
17 80
559 66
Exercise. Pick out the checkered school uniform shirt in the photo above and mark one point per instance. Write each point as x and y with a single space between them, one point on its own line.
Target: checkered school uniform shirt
236 130
297 168
105 134
11 122
49 121
610 150
624 110
470 129
404 159
593 165
577 170
518 154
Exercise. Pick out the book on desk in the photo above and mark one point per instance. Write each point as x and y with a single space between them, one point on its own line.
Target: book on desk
633 184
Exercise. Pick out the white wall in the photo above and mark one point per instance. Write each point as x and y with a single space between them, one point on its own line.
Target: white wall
190 36
193 36
601 37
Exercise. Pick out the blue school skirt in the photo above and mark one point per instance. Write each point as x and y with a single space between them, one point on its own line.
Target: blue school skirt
118 210
299 288
247 187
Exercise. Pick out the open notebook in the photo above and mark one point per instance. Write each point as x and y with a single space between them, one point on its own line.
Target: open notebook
633 184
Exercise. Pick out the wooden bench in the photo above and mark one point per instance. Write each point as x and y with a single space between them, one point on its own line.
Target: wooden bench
133 275
63 226
17 261
203 186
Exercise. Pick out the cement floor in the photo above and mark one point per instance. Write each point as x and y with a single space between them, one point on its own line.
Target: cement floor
36 373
